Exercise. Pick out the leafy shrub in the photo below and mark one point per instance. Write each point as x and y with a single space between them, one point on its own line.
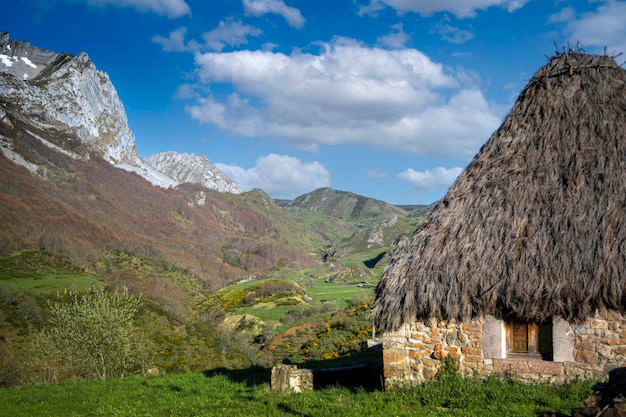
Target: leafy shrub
449 369
22 310
91 335
27 313
8 296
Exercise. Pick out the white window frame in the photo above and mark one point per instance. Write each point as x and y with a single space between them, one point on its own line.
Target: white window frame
495 339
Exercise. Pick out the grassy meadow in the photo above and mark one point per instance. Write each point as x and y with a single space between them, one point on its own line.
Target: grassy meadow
39 272
247 393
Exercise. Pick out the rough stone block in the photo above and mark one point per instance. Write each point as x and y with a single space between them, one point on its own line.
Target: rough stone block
428 340
439 354
473 358
288 378
586 356
476 343
413 354
471 327
395 355
583 330
428 363
430 373
605 351
470 351
454 349
598 324
586 346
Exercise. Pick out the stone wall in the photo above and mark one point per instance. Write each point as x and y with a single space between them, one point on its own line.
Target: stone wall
600 345
414 353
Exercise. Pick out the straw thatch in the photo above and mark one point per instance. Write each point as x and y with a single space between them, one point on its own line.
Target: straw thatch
534 227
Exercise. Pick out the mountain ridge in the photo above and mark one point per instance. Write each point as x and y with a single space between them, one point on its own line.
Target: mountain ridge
34 83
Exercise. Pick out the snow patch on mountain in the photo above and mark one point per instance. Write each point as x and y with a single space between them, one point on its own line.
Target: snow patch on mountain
150 173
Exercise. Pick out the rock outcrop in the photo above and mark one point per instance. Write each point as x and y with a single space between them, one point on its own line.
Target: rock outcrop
186 167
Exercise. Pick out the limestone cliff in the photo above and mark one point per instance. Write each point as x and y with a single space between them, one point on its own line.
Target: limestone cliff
67 95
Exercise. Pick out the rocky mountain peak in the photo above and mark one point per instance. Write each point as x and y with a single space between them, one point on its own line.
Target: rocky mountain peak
67 94
22 60
186 167
36 84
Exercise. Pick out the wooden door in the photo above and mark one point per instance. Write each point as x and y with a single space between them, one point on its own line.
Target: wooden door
519 337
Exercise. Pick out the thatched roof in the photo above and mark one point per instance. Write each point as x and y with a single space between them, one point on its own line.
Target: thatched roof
536 225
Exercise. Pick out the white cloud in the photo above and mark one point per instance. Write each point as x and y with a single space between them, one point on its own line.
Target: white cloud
261 7
451 33
231 33
397 39
373 173
175 42
565 15
460 8
281 176
438 179
347 94
228 32
168 8
604 27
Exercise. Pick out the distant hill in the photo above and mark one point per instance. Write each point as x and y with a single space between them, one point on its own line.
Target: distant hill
352 208
341 216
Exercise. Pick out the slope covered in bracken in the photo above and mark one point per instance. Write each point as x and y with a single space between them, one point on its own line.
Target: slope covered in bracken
85 206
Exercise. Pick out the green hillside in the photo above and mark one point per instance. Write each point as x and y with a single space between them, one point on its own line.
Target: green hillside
224 280
338 214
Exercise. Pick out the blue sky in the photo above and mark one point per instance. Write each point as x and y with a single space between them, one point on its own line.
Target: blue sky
389 99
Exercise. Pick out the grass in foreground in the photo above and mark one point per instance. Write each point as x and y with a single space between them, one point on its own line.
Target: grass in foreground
247 393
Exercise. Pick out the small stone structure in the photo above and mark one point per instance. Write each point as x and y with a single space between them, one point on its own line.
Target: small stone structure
413 353
288 378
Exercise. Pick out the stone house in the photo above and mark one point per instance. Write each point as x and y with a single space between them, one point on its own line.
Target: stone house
520 269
